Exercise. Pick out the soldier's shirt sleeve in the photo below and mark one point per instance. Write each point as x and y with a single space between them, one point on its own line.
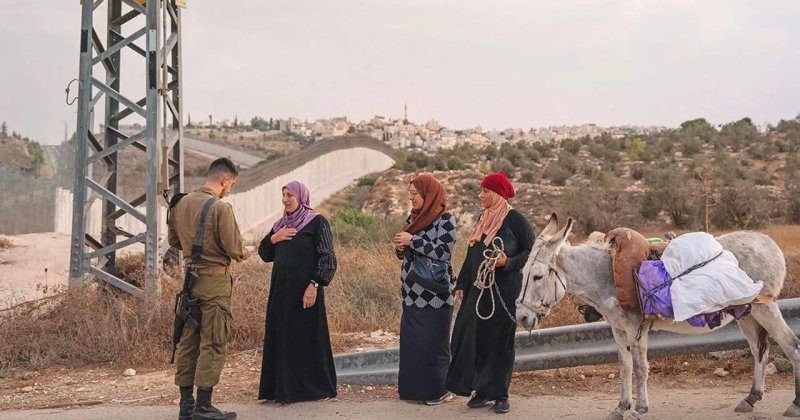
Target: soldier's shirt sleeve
172 235
229 235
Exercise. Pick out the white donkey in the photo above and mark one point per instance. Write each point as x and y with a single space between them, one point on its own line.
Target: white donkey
555 268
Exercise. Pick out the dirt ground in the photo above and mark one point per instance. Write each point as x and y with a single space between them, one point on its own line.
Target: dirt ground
666 404
34 266
108 384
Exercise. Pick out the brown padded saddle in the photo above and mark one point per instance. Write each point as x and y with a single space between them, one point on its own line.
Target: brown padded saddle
629 249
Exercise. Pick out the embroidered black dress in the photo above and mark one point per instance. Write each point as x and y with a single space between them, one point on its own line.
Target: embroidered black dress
297 363
483 351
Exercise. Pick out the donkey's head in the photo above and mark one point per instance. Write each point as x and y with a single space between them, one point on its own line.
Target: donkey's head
542 284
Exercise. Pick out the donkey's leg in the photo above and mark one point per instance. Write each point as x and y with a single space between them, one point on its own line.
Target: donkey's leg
641 370
769 316
625 371
759 345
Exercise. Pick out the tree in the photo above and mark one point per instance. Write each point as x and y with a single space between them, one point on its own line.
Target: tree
455 163
504 165
738 134
35 149
572 146
528 176
260 124
665 190
706 177
601 204
698 128
741 205
637 149
557 174
4 129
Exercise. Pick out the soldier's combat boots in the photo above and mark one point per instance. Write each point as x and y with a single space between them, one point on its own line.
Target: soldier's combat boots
203 410
187 403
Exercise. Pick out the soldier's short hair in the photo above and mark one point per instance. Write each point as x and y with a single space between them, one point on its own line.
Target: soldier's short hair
223 167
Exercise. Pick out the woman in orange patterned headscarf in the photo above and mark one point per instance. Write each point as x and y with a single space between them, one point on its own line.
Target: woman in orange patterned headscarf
428 235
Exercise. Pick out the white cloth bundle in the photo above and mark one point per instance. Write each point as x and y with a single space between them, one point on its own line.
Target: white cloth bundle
713 287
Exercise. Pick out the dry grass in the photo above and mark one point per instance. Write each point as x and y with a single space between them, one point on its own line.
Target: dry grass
5 244
102 325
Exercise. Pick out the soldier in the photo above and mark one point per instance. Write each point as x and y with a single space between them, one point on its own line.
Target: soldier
201 351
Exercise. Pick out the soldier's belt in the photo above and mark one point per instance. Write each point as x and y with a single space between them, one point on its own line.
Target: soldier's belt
212 271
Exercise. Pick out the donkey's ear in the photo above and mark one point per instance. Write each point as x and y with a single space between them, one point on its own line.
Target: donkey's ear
551 228
568 228
563 234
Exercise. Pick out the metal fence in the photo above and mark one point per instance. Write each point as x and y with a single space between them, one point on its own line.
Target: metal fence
560 347
27 204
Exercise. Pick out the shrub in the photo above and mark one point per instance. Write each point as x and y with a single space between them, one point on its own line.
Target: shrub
455 163
741 205
557 174
504 165
366 181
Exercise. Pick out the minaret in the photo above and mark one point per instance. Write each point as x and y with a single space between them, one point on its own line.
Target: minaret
405 113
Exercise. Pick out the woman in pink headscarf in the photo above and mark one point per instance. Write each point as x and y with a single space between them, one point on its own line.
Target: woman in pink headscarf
297 362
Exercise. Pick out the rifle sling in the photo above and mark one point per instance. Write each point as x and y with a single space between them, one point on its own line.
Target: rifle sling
197 246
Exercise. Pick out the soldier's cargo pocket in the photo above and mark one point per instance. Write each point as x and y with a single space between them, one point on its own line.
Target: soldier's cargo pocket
221 328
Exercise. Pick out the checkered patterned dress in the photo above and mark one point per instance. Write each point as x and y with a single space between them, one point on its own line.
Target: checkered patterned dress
436 242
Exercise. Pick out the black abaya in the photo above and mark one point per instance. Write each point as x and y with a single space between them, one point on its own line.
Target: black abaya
297 362
483 350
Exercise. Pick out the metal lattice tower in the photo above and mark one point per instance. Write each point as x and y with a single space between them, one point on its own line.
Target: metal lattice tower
158 24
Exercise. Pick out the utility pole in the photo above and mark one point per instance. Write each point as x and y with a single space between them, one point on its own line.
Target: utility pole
158 59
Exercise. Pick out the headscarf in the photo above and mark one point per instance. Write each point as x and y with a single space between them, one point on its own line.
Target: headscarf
492 217
499 183
433 206
304 213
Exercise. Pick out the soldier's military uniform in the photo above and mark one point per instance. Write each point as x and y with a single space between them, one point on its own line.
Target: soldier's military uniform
201 352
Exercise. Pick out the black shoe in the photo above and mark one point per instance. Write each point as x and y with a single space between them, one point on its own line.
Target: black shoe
187 403
501 406
205 411
477 401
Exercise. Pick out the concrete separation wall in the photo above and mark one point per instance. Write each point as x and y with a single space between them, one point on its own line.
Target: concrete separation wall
26 203
325 168
575 345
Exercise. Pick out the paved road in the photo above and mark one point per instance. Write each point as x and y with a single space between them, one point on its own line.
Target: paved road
243 159
671 404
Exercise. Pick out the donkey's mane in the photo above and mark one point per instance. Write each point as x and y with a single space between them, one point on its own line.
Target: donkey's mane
598 244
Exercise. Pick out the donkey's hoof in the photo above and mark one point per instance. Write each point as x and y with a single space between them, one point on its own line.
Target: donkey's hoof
633 415
792 411
743 407
617 414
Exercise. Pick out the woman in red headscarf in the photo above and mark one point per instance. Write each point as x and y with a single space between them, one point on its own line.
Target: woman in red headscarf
483 349
428 236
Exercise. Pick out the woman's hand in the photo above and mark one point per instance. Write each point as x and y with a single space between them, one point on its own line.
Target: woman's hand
401 239
459 294
501 262
310 296
284 234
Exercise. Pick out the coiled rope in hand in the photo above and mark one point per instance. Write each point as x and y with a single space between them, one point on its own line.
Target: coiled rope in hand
485 280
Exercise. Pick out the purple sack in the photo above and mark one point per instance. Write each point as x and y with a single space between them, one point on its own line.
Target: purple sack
654 286
654 293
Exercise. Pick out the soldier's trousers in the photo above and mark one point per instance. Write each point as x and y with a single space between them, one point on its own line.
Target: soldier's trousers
201 352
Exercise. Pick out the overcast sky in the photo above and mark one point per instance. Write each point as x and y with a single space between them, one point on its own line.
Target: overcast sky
508 63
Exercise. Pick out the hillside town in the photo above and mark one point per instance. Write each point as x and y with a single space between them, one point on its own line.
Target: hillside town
401 133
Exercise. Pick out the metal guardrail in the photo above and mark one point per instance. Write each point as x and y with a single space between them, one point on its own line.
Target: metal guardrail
559 347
